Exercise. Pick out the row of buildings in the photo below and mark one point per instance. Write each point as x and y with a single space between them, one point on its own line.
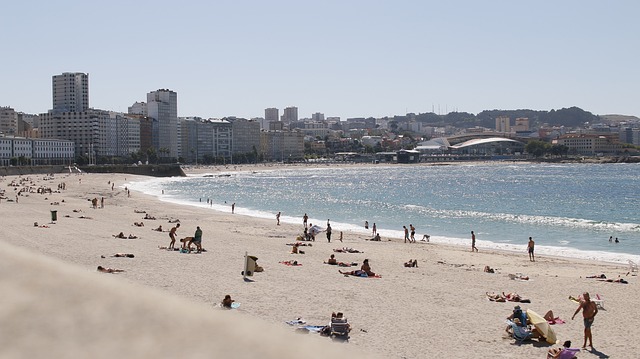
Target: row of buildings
152 130
152 127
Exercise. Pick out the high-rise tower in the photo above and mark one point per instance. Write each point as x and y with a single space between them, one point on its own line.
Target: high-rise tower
71 92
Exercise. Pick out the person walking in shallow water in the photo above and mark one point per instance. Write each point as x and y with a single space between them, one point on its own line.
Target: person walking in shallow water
278 218
473 242
530 246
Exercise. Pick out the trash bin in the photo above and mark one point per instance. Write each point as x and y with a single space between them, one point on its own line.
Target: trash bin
54 216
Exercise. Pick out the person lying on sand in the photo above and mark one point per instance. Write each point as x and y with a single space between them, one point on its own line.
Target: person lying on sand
619 280
554 353
346 250
291 263
119 235
139 211
131 236
411 263
109 270
138 224
147 216
127 255
301 244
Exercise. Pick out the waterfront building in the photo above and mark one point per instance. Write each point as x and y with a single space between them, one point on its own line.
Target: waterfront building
162 108
245 135
589 144
282 145
35 151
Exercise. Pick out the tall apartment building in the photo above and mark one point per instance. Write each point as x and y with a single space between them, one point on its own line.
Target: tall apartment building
503 124
290 114
89 130
8 121
246 135
317 116
71 92
271 114
162 108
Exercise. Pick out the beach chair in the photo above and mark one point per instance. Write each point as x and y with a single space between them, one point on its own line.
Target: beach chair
520 333
599 300
340 329
633 267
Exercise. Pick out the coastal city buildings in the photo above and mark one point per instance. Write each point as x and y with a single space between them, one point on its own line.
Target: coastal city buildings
152 132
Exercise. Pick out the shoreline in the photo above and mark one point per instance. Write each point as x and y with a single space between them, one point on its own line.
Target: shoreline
408 312
608 257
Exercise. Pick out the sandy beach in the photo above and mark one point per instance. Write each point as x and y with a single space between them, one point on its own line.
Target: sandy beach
56 302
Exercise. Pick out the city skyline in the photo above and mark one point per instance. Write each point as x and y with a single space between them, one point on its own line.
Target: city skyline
344 59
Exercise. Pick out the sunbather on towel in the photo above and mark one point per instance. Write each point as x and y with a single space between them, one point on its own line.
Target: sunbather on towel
364 271
515 297
619 280
127 255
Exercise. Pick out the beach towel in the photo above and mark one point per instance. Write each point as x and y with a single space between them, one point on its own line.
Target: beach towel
556 321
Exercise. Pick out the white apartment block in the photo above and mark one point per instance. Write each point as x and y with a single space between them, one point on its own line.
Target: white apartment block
138 108
38 151
71 92
162 108
503 124
587 144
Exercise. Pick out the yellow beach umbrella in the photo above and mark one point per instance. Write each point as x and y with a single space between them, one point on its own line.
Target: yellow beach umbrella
542 326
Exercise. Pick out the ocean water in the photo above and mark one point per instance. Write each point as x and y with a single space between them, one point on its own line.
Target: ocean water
570 210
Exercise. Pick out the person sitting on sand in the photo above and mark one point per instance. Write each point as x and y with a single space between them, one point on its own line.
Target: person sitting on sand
555 353
411 263
120 235
294 249
147 216
488 269
332 260
227 301
364 271
109 270
375 238
138 224
159 229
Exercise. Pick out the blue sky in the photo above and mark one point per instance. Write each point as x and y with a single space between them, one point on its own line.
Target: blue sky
341 58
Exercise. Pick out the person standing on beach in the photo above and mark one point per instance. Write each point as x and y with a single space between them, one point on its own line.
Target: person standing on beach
473 242
530 246
589 311
278 218
233 208
328 232
406 234
375 230
413 233
172 235
366 224
305 218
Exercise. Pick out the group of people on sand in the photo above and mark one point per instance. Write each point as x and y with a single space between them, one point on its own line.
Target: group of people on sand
589 311
187 241
122 236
